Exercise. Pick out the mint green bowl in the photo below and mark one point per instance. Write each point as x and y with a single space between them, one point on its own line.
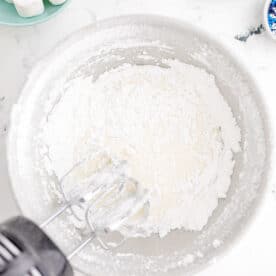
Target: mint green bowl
9 15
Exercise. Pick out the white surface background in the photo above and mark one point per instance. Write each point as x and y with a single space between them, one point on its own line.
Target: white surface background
254 254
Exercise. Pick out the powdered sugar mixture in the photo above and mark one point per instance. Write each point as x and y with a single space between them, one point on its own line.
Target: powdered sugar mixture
172 126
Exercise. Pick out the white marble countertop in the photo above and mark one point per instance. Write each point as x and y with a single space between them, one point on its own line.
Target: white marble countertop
20 48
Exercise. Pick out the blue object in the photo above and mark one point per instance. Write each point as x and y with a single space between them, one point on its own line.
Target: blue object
9 15
271 16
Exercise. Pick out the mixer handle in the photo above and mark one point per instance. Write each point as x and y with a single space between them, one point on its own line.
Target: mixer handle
26 250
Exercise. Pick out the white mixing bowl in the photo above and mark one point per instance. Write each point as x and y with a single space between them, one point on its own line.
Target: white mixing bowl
95 49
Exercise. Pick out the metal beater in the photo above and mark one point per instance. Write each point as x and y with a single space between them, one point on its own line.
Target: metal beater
104 200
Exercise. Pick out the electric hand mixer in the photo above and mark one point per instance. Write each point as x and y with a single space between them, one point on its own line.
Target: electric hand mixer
105 201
